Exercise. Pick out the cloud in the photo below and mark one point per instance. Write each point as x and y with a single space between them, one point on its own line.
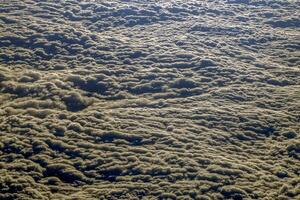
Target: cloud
156 100
75 102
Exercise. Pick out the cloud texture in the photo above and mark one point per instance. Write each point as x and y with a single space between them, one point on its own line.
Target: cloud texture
149 99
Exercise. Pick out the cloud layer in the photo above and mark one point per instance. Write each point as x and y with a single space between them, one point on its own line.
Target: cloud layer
149 99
